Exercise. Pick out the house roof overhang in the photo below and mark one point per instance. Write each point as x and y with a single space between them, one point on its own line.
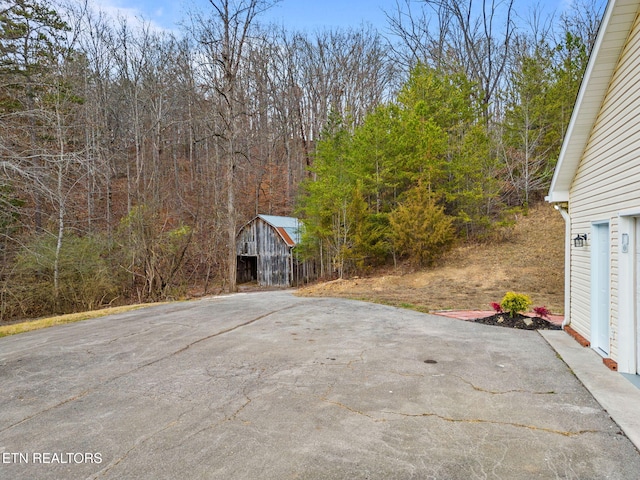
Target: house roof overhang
614 30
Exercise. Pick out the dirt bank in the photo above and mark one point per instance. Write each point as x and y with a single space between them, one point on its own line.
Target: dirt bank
529 260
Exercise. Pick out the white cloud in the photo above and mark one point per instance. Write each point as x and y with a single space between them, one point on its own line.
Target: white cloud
565 5
135 17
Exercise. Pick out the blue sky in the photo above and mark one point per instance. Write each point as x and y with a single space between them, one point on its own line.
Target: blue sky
296 14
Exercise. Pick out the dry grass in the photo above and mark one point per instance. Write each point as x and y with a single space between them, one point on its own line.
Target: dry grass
530 260
29 325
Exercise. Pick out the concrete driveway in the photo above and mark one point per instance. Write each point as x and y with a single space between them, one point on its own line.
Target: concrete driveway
271 386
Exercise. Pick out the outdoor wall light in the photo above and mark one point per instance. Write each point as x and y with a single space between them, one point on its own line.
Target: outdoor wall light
580 240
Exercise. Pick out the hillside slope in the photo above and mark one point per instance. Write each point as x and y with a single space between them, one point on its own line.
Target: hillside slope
530 260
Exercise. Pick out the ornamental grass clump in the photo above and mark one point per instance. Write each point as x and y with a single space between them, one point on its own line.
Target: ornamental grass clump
515 303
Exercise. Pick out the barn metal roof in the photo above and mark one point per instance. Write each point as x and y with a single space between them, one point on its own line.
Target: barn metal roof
290 228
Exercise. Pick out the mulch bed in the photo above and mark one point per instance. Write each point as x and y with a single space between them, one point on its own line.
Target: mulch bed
518 321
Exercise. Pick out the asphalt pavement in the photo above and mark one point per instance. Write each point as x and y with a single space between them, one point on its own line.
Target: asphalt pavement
268 385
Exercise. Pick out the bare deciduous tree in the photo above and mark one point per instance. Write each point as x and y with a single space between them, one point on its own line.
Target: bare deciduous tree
224 36
471 35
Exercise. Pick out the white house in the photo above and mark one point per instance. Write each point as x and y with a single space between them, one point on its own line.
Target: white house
596 186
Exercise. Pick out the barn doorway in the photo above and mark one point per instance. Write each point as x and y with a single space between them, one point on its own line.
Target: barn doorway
247 269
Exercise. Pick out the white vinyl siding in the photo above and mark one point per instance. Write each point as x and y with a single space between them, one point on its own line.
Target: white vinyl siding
613 321
607 182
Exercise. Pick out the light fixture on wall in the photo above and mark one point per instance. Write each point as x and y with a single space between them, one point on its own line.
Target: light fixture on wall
580 240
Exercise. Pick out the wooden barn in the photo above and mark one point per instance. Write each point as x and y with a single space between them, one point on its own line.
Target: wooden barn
265 252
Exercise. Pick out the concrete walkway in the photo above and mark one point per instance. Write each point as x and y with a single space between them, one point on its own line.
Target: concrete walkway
617 395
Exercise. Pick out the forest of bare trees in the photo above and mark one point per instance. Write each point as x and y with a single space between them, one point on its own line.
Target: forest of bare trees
130 156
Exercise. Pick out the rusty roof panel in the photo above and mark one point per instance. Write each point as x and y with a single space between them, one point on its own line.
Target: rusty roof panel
285 236
291 225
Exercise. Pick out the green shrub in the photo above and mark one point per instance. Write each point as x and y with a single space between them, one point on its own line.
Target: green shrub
421 230
515 303
86 280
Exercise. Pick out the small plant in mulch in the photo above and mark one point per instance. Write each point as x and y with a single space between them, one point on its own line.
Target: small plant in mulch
515 303
542 312
509 313
496 307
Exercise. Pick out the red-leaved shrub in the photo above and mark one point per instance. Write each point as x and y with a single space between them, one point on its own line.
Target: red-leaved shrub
543 312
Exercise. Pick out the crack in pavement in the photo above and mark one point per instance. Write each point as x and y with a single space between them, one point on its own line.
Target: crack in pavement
227 418
132 334
135 445
458 420
235 414
405 374
72 399
148 364
495 422
353 410
500 392
324 398
222 332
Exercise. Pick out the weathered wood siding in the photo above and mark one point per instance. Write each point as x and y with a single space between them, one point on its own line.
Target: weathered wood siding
274 260
606 183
